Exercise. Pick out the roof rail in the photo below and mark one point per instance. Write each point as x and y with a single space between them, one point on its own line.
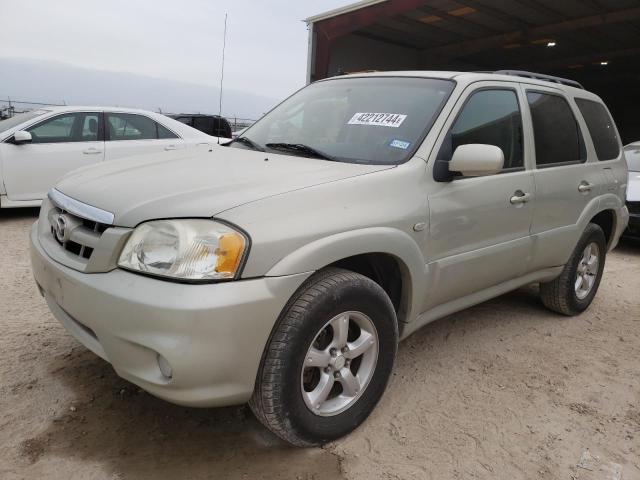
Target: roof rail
541 76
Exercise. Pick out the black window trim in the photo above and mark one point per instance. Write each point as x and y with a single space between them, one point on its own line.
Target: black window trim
107 137
620 146
504 171
582 144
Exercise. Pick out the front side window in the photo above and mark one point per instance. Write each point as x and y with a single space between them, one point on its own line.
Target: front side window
601 128
376 120
555 130
69 127
490 117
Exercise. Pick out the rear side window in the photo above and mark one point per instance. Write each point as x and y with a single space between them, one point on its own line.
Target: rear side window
222 127
555 130
204 124
164 133
601 128
128 126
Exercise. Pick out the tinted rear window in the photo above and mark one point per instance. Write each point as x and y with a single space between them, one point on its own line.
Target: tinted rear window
601 128
555 130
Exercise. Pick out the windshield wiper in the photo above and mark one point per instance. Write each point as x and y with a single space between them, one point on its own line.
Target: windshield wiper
248 142
299 147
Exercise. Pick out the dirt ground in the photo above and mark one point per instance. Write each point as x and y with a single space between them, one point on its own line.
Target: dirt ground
504 390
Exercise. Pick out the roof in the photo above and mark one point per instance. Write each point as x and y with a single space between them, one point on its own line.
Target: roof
99 108
342 10
578 38
208 115
471 77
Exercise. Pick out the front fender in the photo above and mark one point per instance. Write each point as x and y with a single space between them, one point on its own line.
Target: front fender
327 250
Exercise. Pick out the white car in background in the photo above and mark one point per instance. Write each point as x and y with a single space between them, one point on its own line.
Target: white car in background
38 147
632 154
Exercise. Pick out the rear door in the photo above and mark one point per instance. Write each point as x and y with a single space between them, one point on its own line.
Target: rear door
130 134
566 178
60 143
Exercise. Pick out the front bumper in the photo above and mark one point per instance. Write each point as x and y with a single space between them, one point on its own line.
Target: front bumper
212 335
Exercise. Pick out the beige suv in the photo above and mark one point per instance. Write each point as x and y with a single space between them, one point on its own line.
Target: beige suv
282 268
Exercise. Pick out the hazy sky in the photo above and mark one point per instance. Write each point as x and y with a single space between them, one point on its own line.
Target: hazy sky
175 39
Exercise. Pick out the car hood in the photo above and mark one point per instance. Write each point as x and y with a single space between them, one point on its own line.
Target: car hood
197 183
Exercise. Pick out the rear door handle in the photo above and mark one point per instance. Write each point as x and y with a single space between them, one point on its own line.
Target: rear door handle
170 147
584 187
519 197
91 151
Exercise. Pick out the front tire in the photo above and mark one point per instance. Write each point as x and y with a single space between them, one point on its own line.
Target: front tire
573 291
328 360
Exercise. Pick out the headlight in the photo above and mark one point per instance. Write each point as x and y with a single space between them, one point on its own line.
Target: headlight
190 250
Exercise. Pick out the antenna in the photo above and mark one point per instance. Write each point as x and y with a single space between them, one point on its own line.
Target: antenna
224 46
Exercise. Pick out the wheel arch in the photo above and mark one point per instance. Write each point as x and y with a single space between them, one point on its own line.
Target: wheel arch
607 221
385 255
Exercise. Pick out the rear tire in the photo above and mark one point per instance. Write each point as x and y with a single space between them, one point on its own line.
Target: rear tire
573 291
328 360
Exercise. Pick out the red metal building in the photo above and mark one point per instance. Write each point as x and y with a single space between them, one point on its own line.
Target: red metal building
596 42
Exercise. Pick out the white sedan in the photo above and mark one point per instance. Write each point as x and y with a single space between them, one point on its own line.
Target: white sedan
632 154
38 147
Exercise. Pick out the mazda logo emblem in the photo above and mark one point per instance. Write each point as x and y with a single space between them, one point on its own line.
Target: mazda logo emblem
60 228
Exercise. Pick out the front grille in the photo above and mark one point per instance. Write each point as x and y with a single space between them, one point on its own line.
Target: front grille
83 234
634 207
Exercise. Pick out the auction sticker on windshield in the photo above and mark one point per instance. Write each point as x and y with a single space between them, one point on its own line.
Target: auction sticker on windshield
378 119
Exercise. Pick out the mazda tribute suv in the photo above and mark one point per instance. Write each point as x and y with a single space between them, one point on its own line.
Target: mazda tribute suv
283 268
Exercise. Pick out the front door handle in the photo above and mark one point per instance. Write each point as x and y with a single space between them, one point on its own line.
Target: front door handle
519 197
584 187
91 151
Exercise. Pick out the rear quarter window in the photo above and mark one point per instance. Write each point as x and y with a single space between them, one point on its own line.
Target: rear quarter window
601 128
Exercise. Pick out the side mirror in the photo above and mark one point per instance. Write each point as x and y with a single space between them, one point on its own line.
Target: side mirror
21 137
476 160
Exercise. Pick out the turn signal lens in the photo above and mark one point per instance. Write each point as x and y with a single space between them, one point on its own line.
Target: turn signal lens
229 253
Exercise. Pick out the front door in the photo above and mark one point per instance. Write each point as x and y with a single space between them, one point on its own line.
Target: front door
479 226
59 144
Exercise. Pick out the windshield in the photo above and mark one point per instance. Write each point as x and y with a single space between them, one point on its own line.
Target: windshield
18 119
376 120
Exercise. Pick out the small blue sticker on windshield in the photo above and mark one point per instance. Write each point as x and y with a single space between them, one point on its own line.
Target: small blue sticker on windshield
400 144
